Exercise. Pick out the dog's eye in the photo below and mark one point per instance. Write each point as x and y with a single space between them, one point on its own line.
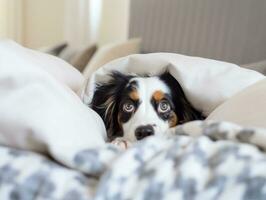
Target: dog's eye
128 107
164 107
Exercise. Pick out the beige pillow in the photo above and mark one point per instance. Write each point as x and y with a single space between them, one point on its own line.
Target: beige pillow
54 50
247 108
81 58
68 53
110 52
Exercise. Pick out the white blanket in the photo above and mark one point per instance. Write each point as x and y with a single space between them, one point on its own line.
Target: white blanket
207 83
39 109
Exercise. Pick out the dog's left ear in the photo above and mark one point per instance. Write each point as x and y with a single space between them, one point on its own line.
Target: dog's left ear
106 100
184 110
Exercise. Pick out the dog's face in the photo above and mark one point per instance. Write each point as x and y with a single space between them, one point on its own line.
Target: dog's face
146 108
136 107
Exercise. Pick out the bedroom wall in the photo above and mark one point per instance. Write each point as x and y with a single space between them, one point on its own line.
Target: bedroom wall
229 30
3 18
115 21
40 23
43 22
11 19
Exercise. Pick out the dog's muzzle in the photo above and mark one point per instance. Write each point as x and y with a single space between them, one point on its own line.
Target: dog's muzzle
144 131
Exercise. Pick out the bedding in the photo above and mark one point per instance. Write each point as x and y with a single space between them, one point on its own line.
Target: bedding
52 146
198 160
109 52
206 83
246 108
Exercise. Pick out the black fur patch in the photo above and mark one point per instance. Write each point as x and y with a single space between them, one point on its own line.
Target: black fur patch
106 101
182 107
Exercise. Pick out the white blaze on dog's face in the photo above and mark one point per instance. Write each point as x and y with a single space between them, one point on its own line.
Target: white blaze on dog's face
133 107
146 108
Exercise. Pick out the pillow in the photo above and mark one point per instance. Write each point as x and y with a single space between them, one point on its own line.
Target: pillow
110 52
81 58
14 54
55 49
258 66
38 112
68 53
246 108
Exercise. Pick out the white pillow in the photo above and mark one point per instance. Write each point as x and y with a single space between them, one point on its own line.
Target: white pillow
37 112
207 83
111 52
247 108
13 54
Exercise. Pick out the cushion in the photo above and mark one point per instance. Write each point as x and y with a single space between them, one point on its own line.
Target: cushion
110 52
207 83
68 53
38 110
246 108
14 54
82 57
258 66
55 49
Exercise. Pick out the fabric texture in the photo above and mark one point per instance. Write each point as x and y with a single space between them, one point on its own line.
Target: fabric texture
81 58
28 175
39 111
198 160
246 108
207 83
111 52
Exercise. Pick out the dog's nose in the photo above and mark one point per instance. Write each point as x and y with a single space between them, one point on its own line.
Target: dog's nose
144 131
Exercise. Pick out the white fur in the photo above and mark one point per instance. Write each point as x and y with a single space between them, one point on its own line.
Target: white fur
145 114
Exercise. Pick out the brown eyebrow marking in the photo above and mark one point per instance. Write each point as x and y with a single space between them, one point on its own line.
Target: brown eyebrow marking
134 95
173 120
158 95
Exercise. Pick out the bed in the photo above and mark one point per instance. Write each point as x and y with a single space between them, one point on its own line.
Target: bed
53 146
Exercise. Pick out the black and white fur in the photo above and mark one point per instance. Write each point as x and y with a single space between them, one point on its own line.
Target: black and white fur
133 107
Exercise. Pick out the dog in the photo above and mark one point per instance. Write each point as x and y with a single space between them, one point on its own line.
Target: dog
134 107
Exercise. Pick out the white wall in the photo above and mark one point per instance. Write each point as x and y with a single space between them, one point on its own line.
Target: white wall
43 22
101 21
3 18
39 23
11 19
114 21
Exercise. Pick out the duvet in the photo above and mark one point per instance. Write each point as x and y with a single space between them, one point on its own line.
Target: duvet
53 146
198 160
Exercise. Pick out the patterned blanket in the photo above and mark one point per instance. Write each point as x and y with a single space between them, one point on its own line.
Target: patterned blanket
198 160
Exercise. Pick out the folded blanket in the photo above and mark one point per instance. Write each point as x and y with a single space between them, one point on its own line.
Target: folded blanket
199 160
26 175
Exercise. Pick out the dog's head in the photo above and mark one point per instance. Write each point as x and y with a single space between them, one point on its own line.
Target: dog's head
134 107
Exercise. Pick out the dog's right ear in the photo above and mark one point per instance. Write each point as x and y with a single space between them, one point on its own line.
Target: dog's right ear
106 100
183 108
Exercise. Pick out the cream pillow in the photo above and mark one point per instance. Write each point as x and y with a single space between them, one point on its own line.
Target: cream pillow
82 57
54 50
110 52
12 53
247 108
